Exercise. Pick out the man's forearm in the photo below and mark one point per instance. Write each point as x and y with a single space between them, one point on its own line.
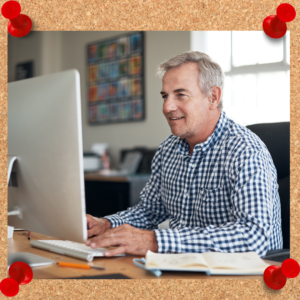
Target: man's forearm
136 216
236 237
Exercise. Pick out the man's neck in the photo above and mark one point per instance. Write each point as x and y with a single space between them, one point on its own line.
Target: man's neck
206 132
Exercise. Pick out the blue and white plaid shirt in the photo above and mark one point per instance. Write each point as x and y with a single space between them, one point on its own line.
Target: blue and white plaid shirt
224 197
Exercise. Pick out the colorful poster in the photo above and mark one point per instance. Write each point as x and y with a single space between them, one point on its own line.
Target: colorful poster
112 50
92 93
113 90
125 110
135 43
103 71
123 47
114 69
124 88
93 113
102 51
92 53
136 107
136 87
114 111
136 65
103 113
92 73
102 91
123 67
116 79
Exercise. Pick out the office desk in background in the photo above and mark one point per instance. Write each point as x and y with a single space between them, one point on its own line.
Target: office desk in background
106 195
114 265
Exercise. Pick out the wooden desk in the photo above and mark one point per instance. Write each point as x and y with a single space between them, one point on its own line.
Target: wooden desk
120 265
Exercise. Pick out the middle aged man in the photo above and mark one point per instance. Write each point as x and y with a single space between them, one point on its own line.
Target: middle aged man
214 179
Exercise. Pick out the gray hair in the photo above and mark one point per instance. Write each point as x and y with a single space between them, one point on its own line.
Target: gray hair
210 73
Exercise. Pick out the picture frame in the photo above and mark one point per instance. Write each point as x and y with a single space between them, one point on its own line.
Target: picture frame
115 79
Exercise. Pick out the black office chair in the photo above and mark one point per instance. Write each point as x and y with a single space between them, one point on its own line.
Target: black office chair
276 137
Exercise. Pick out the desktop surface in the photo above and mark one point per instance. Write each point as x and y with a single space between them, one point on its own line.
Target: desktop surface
116 267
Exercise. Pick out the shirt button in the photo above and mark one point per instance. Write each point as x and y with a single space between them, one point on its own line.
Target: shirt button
187 194
183 223
193 165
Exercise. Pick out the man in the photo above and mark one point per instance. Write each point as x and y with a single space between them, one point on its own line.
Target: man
214 179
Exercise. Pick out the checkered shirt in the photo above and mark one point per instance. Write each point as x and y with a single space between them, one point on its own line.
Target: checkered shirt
224 197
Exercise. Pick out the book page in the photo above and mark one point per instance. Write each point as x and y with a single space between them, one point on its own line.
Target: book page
175 261
245 260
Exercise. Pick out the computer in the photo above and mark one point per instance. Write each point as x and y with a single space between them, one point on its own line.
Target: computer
46 186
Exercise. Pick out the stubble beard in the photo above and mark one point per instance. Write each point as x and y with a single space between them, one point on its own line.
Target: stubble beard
182 133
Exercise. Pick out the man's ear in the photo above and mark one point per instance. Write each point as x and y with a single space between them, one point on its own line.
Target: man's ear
215 97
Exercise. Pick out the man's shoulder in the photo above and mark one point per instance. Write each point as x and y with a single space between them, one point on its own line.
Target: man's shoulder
240 136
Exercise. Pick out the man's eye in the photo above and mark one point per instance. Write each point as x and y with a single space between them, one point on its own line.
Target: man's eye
181 95
165 96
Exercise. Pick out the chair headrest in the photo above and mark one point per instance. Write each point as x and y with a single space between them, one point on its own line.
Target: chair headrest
276 137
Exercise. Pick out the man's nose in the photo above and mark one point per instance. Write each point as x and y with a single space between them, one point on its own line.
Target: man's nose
170 104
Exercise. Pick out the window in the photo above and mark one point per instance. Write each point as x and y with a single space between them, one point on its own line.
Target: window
257 73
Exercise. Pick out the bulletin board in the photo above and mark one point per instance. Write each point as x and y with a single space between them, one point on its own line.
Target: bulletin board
116 79
173 15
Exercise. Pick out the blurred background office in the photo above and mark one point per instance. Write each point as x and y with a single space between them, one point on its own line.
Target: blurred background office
256 67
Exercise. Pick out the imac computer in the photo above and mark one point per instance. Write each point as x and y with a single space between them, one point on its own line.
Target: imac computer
46 184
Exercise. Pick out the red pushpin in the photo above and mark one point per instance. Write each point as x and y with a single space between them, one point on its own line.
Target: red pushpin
9 287
275 277
275 26
21 272
19 25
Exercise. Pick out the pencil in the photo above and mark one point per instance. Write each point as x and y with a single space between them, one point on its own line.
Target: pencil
80 266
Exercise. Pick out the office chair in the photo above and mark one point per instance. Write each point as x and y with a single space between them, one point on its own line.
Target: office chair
145 164
276 137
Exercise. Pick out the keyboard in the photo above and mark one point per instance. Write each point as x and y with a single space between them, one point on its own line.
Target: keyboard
69 248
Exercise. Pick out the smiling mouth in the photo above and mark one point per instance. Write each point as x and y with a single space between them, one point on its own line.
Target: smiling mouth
174 119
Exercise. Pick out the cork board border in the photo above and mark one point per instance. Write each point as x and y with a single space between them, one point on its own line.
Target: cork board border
173 15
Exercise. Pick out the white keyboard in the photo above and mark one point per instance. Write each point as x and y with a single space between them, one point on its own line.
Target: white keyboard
69 248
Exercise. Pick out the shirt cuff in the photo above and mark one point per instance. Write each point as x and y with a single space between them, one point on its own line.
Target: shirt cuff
114 220
168 240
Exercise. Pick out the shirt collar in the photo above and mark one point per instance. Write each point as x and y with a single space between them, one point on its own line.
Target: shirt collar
183 147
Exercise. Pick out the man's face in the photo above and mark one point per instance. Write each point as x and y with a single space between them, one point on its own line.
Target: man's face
185 106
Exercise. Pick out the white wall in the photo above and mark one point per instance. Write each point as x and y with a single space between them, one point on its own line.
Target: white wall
57 51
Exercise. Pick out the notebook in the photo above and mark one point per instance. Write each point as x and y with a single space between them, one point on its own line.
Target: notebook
212 263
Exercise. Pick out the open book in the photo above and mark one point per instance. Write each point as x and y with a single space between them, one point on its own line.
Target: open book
213 263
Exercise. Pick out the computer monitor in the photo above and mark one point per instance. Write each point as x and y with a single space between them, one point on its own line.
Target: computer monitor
45 134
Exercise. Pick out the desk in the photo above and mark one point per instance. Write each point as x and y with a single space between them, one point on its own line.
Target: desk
106 195
121 265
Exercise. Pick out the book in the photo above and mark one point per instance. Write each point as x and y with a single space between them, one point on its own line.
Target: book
212 263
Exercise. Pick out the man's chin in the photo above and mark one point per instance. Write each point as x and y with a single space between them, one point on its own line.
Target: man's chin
178 133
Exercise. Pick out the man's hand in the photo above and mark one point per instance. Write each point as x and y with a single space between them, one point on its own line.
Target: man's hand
128 239
96 226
